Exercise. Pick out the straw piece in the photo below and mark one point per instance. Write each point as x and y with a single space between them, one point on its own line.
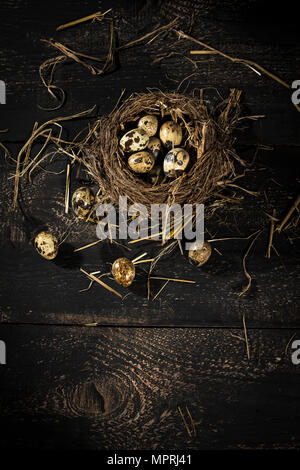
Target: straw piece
203 52
244 264
288 215
139 257
271 233
34 136
67 191
94 278
98 15
184 422
146 36
161 289
88 246
249 63
171 279
246 337
192 421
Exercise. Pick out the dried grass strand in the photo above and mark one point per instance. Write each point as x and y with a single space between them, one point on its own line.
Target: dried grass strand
249 63
98 15
244 264
96 279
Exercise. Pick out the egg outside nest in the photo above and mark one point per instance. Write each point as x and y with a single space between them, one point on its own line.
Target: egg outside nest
202 254
123 271
46 244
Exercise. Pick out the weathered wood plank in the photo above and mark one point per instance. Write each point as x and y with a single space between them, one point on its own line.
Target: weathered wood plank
104 388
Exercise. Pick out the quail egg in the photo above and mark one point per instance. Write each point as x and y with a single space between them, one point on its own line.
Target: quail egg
170 134
201 254
141 162
149 123
82 202
46 245
155 146
123 271
134 140
175 160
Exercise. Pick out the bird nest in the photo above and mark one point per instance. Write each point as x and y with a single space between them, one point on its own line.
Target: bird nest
207 136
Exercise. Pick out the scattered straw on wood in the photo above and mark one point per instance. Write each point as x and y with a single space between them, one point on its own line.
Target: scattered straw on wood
47 68
248 63
45 128
83 59
46 72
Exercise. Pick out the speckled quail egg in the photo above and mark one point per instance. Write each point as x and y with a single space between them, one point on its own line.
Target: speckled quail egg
149 123
201 254
141 162
82 202
123 271
155 146
176 160
134 140
46 245
170 134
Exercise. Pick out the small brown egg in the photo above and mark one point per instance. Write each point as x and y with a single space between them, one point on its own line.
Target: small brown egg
134 140
176 160
201 255
149 123
46 245
141 162
82 202
155 146
123 271
170 134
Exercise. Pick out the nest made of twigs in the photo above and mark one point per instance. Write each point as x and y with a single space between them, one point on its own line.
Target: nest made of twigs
208 137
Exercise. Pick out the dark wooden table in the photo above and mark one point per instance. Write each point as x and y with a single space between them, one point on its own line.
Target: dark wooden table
85 370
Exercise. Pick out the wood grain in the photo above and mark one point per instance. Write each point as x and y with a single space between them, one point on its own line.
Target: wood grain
104 388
